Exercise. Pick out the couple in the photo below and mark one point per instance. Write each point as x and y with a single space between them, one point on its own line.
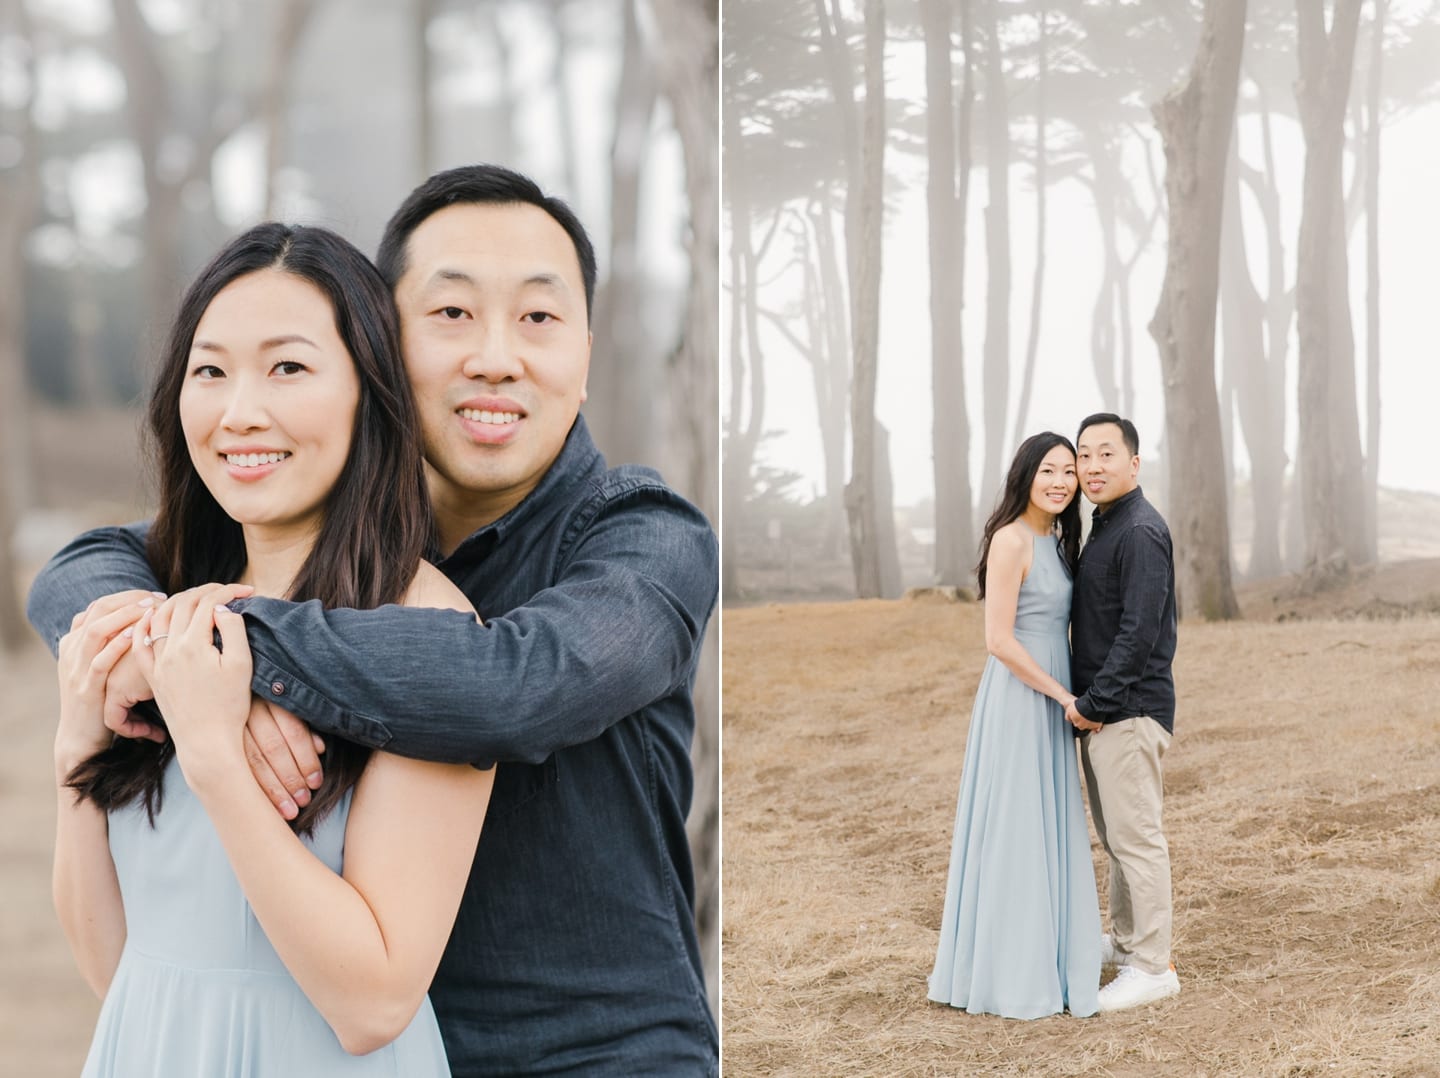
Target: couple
1020 934
289 436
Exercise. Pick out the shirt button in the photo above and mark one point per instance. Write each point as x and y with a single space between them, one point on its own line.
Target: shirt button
277 688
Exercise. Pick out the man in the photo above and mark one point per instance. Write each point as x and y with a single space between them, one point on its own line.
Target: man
574 951
1122 629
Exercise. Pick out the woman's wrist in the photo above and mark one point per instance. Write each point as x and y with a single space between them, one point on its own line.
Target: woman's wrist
73 748
209 766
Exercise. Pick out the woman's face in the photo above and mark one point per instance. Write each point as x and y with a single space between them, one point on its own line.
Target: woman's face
1055 481
269 400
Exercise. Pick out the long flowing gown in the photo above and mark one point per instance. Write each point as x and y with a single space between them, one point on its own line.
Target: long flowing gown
200 990
1020 934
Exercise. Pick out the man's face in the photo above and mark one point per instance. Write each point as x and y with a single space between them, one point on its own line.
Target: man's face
497 343
1107 469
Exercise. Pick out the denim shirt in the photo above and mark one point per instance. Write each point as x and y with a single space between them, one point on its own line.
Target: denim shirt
575 950
1123 615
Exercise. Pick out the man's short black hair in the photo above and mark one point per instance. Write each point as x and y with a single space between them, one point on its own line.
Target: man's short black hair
481 184
1127 429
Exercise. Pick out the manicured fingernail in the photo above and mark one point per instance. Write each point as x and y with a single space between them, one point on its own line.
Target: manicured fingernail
147 602
314 779
302 797
128 633
288 809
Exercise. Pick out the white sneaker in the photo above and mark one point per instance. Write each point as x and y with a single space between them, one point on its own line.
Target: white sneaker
1133 987
1110 955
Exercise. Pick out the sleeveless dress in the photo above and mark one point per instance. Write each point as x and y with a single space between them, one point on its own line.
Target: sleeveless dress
199 990
1020 934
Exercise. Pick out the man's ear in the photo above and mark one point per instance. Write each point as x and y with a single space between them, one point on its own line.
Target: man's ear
585 385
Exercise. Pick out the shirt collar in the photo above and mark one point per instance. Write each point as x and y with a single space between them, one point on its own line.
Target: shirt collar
1117 508
578 458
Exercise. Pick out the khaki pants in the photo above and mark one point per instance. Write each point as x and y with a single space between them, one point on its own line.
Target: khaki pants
1122 775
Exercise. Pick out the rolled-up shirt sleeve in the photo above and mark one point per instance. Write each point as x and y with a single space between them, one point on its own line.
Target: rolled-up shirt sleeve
98 563
1144 564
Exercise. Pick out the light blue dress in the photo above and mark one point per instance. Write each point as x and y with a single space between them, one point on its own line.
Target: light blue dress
199 990
1020 935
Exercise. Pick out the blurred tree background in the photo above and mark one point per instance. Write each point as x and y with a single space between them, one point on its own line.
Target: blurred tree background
137 135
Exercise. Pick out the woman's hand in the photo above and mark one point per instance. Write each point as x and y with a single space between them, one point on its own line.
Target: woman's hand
99 636
202 691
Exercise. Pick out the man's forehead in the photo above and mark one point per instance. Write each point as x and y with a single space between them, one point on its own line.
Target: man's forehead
475 243
1096 436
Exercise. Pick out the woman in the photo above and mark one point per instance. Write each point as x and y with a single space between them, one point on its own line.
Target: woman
1020 935
224 940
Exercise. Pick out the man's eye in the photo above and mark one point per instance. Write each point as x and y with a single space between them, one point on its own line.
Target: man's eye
539 317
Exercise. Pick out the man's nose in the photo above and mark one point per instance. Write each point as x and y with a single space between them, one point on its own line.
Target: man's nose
493 355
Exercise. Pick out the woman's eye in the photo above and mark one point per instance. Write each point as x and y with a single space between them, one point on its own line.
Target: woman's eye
207 370
287 366
453 313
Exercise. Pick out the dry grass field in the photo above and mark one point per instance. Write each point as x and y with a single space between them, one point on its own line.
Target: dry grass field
1302 808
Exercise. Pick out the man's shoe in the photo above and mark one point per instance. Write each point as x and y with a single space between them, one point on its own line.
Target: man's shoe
1110 955
1133 987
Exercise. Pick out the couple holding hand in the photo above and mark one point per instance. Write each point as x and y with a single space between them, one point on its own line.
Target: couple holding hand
1020 934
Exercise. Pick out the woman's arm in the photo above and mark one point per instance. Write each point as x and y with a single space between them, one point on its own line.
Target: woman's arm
363 945
85 887
1011 552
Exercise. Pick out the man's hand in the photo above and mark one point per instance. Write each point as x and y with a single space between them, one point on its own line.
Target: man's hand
283 754
125 688
1079 721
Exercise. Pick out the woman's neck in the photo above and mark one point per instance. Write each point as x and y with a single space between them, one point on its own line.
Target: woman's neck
273 558
1039 521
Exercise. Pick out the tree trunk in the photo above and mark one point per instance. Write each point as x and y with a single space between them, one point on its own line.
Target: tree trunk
1195 122
19 203
950 429
688 74
560 65
1372 281
275 94
835 318
1037 285
621 405
743 425
1259 396
1323 87
153 115
861 495
1102 315
1267 448
997 258
890 581
425 157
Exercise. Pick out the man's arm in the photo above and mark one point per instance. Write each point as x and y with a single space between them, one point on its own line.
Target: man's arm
98 563
1145 586
620 627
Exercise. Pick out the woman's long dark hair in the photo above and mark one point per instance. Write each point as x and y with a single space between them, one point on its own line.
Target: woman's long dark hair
1015 498
377 522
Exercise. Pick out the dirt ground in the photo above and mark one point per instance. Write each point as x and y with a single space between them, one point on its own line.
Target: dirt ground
1302 809
46 1011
